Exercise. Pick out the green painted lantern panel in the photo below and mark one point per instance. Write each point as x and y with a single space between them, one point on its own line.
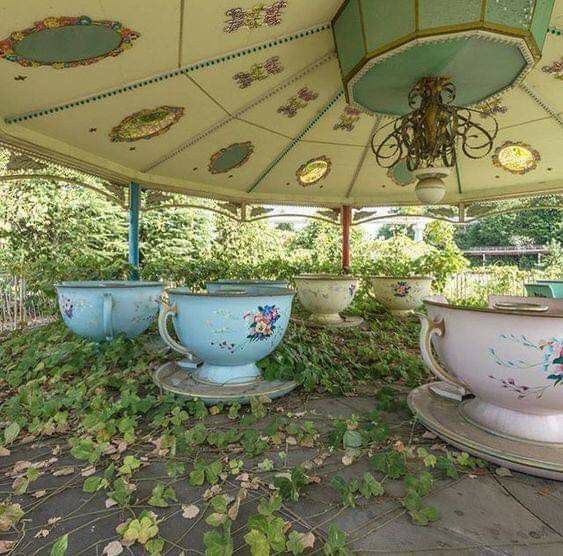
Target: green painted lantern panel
401 175
68 44
348 35
542 16
386 22
513 13
440 13
479 69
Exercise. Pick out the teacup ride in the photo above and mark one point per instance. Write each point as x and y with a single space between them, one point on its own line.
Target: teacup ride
542 291
500 372
556 287
325 296
400 296
229 285
101 310
224 333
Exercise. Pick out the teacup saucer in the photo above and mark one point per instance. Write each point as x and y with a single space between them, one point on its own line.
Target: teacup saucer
442 416
346 322
173 378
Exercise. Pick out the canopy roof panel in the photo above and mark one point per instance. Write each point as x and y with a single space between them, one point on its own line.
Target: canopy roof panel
237 100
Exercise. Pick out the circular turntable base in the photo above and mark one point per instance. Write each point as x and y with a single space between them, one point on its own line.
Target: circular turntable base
347 322
442 417
173 378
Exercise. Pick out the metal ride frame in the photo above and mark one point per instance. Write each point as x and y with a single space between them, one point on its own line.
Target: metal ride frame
136 200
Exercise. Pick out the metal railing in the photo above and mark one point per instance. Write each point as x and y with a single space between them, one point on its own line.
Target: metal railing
21 307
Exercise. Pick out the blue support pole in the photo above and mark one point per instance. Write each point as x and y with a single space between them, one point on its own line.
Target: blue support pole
134 205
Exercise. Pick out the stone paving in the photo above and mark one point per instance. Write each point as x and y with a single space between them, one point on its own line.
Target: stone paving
481 513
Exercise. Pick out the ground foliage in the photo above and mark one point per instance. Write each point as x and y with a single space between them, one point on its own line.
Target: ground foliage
98 423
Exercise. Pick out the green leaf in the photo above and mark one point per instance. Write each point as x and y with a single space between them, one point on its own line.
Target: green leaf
267 508
93 484
259 545
130 463
412 500
155 547
294 544
215 519
370 486
11 432
352 439
60 547
217 545
336 542
197 475
424 515
160 496
219 504
212 472
389 463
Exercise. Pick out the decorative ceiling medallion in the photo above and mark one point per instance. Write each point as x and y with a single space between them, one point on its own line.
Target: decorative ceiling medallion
67 42
146 124
314 171
492 108
400 174
258 72
516 157
555 68
231 157
347 119
258 16
295 103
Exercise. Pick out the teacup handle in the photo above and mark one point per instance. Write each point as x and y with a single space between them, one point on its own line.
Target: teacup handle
166 312
429 329
106 316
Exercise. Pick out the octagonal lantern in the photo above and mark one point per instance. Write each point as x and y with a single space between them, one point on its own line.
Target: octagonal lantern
483 46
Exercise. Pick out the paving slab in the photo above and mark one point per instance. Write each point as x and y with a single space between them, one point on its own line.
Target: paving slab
474 513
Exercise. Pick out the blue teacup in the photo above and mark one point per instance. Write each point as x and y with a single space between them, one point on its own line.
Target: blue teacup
229 285
102 310
539 290
229 331
556 287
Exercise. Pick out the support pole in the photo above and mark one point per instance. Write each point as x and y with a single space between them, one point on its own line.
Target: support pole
346 213
134 206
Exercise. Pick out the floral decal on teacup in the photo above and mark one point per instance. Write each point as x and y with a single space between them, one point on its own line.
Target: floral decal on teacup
401 289
550 361
67 306
262 322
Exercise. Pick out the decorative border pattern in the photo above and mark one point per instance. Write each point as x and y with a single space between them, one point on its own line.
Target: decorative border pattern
215 157
132 128
7 46
171 74
302 169
536 157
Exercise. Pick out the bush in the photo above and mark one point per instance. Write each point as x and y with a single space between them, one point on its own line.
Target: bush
401 256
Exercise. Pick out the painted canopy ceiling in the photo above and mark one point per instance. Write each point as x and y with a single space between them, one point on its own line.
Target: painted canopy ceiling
242 100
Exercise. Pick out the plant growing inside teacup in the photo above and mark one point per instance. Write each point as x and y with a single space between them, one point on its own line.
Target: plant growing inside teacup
403 272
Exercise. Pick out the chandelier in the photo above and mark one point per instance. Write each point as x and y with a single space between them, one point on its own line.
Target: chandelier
427 138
